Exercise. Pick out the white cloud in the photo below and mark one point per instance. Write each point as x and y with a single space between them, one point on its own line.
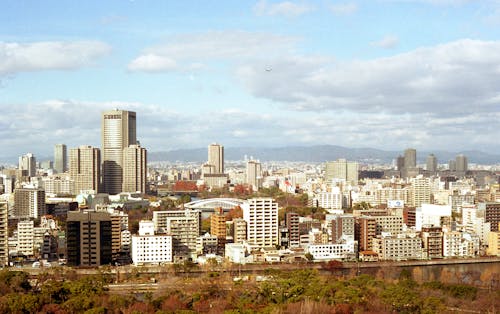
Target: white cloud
452 78
389 41
152 63
191 51
344 8
49 55
285 8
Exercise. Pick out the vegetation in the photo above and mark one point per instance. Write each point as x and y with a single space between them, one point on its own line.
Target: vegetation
300 291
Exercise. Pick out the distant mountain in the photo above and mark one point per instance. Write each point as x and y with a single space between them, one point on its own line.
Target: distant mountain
318 153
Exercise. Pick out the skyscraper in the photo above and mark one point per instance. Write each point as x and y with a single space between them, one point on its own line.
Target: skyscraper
461 163
28 163
134 169
118 132
85 168
410 158
60 158
342 170
216 157
431 163
254 174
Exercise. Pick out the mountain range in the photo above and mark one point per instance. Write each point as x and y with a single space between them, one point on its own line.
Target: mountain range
318 153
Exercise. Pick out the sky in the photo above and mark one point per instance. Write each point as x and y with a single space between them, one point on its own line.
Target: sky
386 74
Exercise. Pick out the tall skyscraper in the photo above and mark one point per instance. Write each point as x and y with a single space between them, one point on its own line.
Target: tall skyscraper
85 168
410 158
254 174
216 157
461 163
28 163
118 132
60 158
134 169
431 163
342 170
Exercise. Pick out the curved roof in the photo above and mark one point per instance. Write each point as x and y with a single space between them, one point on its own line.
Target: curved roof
225 203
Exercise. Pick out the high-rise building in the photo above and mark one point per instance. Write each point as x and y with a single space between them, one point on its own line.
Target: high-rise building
461 163
88 237
26 237
400 163
134 169
410 158
421 191
342 170
60 158
29 203
118 132
452 165
431 163
292 224
28 163
365 231
85 168
261 215
491 212
254 174
4 234
216 157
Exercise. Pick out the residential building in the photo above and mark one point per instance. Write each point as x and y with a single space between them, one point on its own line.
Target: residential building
4 234
365 231
118 132
261 215
398 248
29 203
239 230
254 174
292 224
331 251
343 228
25 237
421 191
491 211
494 243
432 238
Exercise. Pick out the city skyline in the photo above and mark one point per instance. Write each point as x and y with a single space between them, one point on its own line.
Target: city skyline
252 73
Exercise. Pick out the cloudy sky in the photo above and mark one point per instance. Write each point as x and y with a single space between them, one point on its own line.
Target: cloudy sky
387 74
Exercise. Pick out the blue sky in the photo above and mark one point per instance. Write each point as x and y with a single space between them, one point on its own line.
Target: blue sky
386 74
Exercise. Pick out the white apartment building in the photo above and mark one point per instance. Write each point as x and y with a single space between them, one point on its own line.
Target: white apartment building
329 200
430 214
25 237
398 248
459 244
331 251
261 215
148 248
235 253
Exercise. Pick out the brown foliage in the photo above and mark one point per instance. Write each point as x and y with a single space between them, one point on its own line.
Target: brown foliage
185 186
139 307
236 212
173 303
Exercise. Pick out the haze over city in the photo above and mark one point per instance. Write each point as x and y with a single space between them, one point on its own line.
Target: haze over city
383 74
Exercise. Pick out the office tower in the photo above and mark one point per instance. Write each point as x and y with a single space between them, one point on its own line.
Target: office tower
118 132
254 174
452 165
216 157
431 163
28 163
261 215
461 163
4 234
410 158
25 237
342 170
88 237
60 158
85 168
29 203
400 163
134 169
